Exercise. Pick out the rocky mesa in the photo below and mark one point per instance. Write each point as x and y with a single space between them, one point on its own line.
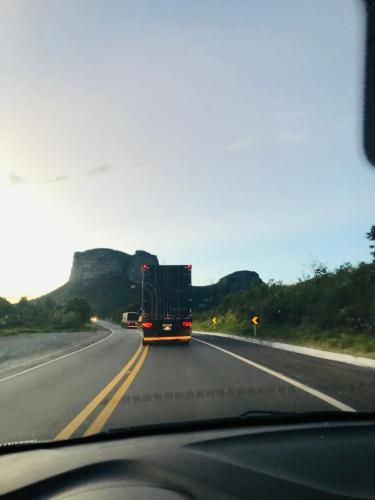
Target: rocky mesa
110 280
104 262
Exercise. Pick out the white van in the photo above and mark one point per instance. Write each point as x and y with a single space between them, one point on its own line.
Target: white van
130 320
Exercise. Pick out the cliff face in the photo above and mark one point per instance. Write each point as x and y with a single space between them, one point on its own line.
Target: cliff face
99 262
110 280
106 278
135 263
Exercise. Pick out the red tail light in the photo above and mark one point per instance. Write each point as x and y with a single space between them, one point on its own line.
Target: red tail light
187 323
188 266
145 266
147 324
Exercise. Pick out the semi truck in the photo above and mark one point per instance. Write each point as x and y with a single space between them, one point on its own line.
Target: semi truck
166 303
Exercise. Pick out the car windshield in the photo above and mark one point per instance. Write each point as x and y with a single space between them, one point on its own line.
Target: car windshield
133 317
245 248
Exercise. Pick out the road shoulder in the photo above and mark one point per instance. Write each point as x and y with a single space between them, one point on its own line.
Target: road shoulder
25 351
308 351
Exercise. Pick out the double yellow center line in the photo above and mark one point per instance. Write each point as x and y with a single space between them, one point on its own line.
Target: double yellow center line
133 366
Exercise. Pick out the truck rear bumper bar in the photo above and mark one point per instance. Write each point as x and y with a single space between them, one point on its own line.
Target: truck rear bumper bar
169 337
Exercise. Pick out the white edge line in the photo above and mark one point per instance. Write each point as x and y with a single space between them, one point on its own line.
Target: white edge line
299 385
57 359
307 351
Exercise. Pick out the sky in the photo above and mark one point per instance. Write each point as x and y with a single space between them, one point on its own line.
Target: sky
222 134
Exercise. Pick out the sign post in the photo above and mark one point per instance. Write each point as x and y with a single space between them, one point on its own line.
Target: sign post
214 321
255 321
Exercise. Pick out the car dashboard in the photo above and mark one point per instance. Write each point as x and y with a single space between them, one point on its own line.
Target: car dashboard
326 460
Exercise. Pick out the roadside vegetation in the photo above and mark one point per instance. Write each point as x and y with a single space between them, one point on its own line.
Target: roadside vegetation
332 310
43 316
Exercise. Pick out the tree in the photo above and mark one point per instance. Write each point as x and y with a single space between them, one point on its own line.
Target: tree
80 307
23 302
371 236
5 306
318 268
73 314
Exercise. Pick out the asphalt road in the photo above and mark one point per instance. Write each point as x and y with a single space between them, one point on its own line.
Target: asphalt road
23 351
117 383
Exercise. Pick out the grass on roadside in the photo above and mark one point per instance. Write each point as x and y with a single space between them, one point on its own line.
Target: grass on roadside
356 344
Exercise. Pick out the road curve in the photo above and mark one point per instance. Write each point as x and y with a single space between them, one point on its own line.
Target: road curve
118 383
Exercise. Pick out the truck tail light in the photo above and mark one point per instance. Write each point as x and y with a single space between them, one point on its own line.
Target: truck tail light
188 266
187 323
147 324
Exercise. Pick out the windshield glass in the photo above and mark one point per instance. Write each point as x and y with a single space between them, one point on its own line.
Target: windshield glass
133 317
246 241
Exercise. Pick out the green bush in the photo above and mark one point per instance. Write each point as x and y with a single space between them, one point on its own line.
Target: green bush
43 315
335 307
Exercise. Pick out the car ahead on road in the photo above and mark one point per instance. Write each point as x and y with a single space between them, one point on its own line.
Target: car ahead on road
130 320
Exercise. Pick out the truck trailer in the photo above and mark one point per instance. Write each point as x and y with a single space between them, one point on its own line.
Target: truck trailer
166 303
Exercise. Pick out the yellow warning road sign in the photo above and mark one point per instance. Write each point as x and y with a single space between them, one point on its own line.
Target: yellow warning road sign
255 320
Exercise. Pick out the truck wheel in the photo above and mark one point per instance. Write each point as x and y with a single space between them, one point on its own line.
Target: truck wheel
144 342
122 325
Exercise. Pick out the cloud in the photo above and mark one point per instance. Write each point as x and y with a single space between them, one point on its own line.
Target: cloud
59 178
98 170
15 179
242 145
281 127
291 136
291 127
289 114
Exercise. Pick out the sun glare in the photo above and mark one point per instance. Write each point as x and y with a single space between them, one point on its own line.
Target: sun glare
32 246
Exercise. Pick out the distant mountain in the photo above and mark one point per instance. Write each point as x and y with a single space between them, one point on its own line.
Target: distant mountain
207 297
111 280
106 278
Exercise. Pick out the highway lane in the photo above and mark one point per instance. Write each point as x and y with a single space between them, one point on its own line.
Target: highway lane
39 403
353 385
119 383
198 382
